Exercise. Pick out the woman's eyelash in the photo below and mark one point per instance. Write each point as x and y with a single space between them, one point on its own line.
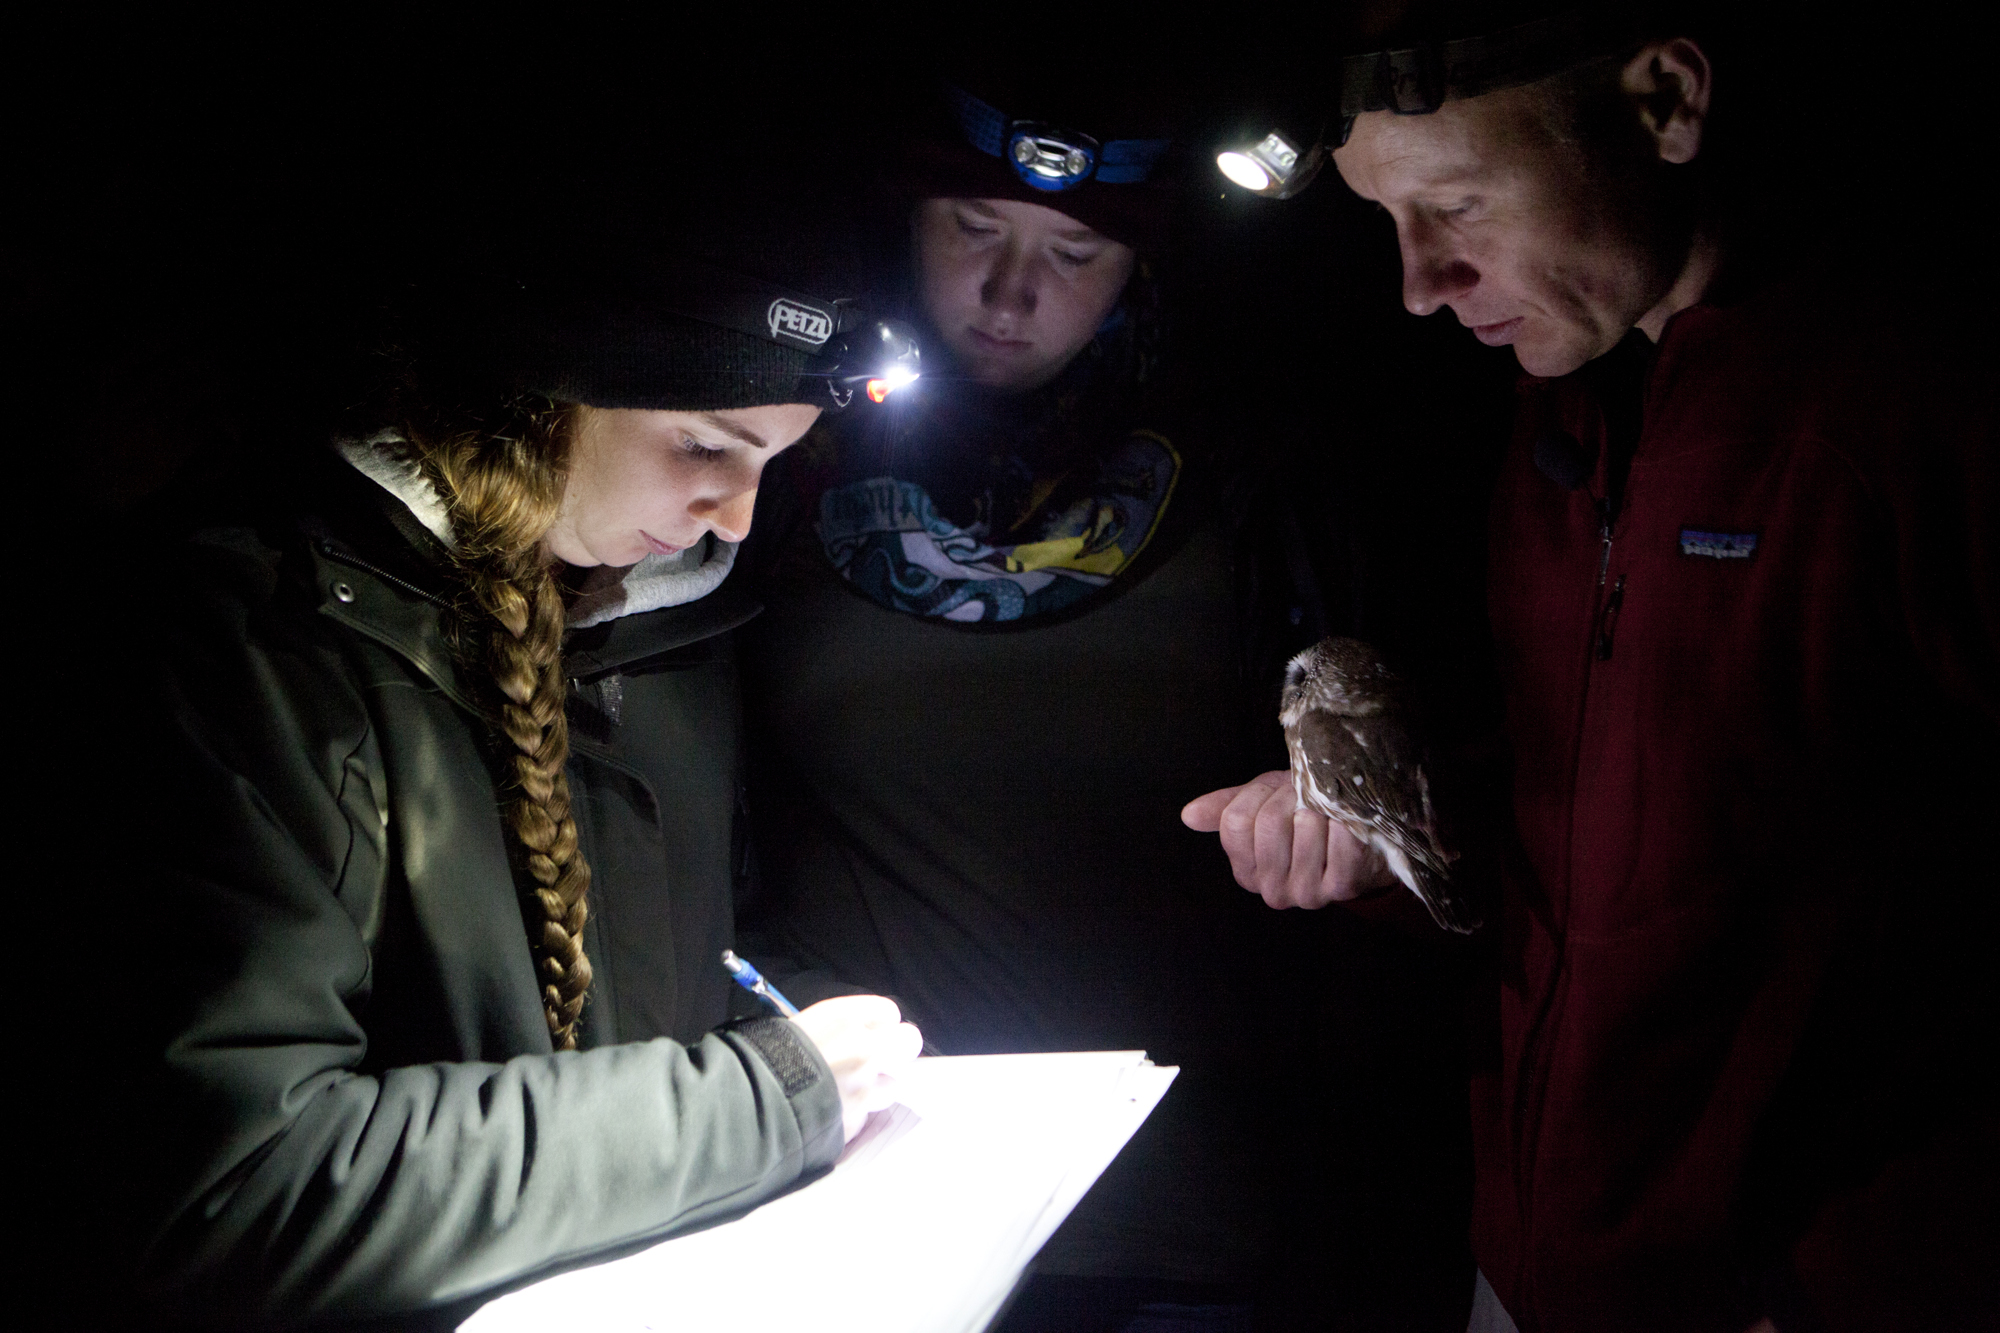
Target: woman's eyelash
697 449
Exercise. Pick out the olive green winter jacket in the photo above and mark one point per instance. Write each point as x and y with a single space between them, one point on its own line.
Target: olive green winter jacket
343 1099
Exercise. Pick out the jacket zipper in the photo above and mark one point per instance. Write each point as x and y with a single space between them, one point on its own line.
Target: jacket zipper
1534 1075
332 552
1607 619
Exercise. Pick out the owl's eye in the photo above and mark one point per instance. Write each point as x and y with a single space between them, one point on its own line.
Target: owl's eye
1294 673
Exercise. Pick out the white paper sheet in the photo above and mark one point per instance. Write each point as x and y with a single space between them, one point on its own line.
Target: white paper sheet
924 1225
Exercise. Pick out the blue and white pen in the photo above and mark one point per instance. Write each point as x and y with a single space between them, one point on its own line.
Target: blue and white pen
750 979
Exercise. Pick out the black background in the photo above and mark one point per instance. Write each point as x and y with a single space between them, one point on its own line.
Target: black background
207 212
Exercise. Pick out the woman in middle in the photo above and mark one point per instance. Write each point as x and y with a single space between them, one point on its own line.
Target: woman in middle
1010 628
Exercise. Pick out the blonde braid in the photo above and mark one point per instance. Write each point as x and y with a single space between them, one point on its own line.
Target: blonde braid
503 488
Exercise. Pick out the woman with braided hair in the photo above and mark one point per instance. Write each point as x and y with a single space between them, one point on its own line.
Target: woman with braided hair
468 670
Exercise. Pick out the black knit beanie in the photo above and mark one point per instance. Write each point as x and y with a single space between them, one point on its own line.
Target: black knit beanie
733 311
654 332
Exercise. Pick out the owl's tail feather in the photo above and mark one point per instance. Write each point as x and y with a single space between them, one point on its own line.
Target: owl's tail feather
1449 908
1424 867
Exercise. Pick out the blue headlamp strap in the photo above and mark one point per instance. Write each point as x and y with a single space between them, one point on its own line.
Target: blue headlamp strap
1050 157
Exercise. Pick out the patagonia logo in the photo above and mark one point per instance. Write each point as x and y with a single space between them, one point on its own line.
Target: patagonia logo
794 322
1718 545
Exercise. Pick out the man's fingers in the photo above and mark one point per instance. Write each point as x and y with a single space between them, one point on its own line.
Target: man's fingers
1288 856
1238 827
1306 886
1204 813
1273 843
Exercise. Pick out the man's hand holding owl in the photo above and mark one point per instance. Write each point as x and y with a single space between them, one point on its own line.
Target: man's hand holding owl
1288 856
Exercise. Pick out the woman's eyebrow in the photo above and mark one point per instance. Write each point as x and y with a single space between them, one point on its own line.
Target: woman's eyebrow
734 429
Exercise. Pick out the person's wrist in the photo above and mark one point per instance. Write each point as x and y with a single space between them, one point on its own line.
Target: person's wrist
805 1078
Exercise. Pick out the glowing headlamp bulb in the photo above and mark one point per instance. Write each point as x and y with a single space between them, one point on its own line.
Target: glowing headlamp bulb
1271 166
891 380
1243 170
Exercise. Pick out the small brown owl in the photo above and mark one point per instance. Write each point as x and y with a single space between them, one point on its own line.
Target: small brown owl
1357 759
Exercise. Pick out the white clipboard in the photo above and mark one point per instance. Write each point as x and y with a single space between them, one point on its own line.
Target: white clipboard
924 1226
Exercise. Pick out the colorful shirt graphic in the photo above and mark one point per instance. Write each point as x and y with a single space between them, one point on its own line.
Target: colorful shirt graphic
886 537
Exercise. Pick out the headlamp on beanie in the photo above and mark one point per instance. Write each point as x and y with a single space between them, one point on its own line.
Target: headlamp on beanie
879 354
690 335
850 348
1417 80
1052 157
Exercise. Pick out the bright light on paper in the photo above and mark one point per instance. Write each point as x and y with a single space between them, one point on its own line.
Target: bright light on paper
924 1226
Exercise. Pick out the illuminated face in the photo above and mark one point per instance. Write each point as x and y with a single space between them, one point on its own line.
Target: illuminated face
654 483
1015 290
1531 240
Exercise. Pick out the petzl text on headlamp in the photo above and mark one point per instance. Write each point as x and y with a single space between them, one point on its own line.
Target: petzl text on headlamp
852 350
1417 80
1053 157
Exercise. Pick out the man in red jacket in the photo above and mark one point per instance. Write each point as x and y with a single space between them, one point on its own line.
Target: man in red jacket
1745 594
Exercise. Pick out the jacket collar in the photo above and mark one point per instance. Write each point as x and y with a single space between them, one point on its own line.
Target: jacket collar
378 571
618 645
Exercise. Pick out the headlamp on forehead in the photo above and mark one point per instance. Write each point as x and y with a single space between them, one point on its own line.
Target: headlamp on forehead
849 349
1417 80
1274 165
1052 157
878 356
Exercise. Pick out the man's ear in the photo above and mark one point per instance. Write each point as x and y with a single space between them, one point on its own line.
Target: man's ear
1670 83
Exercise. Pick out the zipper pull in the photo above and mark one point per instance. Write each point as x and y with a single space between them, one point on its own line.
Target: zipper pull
1604 534
1608 621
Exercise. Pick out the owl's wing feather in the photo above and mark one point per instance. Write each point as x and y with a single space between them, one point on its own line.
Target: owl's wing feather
1368 774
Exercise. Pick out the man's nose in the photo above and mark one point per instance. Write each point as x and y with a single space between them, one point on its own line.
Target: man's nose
1433 270
729 517
1011 282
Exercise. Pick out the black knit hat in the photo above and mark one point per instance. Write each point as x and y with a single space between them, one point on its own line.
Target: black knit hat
653 332
731 311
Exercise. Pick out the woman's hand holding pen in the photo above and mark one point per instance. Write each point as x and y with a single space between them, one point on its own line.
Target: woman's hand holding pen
867 1045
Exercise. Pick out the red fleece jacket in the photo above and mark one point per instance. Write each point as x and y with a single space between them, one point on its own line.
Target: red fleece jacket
1747 1013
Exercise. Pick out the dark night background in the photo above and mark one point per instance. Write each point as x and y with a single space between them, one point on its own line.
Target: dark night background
209 211
208 214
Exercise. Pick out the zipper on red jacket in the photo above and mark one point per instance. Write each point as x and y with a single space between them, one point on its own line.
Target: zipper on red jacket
1607 618
1621 435
1604 517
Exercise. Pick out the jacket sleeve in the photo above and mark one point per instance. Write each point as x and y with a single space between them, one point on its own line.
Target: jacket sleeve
275 1174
